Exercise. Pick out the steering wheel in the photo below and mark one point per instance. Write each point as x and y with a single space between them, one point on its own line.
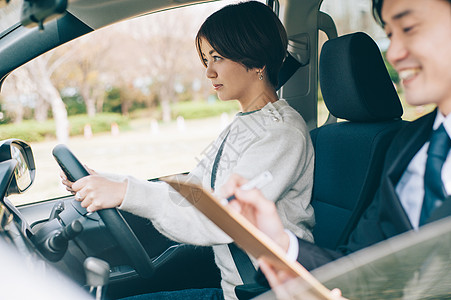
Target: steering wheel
113 220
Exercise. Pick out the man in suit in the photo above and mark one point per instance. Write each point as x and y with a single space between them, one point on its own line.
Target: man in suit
415 182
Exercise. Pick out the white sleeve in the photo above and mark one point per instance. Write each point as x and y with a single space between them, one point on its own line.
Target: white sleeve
171 214
293 248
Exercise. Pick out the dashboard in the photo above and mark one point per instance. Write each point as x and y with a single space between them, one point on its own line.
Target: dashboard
58 237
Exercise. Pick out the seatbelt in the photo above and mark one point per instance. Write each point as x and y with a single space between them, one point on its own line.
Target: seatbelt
289 66
242 261
243 264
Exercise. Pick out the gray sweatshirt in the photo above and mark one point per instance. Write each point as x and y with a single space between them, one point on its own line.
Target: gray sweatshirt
274 138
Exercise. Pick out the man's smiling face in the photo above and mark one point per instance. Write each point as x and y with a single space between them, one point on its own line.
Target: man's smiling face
420 49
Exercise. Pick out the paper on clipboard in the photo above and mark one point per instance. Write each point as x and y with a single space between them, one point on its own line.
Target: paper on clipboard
243 232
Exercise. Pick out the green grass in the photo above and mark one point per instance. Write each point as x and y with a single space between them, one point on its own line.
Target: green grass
33 131
410 112
100 123
197 110
28 130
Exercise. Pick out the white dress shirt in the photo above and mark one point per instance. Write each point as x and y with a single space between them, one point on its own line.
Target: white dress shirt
410 188
293 248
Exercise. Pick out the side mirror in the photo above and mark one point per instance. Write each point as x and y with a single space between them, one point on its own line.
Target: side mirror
24 172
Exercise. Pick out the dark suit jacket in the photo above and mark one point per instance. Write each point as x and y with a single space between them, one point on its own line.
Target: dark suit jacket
385 217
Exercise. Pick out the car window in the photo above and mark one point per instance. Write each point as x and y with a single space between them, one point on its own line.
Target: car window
355 15
413 265
135 96
10 15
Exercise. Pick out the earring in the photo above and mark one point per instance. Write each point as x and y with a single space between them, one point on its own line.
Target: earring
260 75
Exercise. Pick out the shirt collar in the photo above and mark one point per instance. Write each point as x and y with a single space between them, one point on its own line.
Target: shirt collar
439 119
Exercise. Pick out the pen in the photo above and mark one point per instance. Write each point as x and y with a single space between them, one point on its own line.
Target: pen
256 183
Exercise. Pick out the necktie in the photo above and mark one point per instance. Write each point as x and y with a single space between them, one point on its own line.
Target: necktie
434 191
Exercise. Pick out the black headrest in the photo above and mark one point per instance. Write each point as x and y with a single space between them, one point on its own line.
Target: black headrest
354 80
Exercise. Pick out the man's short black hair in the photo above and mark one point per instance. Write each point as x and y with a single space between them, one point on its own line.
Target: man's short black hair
249 33
377 11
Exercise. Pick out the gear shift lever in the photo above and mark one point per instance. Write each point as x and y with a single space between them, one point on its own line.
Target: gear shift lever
97 275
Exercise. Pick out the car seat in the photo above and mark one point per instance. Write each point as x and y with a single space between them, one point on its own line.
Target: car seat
349 155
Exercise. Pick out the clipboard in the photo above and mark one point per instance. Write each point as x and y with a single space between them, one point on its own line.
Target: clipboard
243 232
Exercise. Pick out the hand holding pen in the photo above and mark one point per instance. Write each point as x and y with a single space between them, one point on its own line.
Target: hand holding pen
248 200
256 183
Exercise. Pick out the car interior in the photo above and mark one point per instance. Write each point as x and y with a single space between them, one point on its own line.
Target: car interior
364 115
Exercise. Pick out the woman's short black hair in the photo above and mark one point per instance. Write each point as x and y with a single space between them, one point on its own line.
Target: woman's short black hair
377 11
377 14
249 33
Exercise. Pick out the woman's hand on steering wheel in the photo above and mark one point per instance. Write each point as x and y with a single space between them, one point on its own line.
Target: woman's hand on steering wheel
97 192
68 184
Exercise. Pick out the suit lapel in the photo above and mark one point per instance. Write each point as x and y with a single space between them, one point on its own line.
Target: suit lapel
411 142
407 145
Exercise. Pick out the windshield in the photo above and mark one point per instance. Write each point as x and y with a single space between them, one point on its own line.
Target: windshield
10 15
132 96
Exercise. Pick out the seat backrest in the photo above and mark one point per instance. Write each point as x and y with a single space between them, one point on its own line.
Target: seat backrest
349 155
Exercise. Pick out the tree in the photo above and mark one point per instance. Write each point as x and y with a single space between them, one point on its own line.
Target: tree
170 52
85 66
154 49
40 71
34 81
